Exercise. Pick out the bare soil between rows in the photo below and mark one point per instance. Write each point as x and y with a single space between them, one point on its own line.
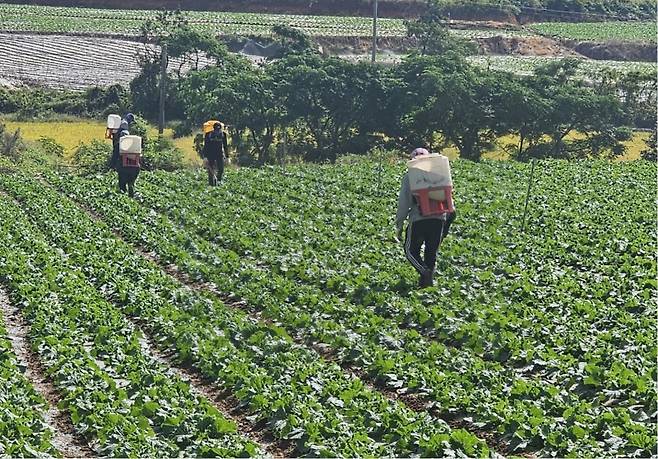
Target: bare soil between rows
199 384
65 438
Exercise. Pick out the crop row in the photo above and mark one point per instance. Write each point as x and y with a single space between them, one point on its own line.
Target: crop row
525 65
71 62
536 412
301 397
480 332
636 31
26 18
128 22
322 265
23 431
121 400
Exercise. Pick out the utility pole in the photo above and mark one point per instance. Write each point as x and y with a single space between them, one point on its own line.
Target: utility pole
374 31
163 82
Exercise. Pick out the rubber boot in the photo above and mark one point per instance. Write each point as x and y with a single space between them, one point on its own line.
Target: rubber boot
430 278
426 279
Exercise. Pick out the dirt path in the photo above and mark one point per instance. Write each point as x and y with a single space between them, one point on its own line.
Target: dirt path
65 439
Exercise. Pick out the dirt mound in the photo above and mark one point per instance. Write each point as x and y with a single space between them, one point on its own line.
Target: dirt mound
614 51
478 25
359 45
524 46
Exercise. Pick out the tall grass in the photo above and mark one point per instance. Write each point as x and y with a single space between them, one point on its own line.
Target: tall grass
70 134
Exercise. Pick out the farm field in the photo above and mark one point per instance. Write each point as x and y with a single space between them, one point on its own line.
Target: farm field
600 31
74 62
70 133
69 62
525 65
127 23
285 289
26 18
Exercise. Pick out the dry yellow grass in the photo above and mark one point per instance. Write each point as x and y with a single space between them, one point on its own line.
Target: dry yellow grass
70 133
634 147
67 134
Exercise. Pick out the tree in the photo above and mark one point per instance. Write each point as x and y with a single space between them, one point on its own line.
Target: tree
521 111
253 108
189 47
329 97
114 99
412 89
243 97
432 34
292 41
447 96
570 107
469 103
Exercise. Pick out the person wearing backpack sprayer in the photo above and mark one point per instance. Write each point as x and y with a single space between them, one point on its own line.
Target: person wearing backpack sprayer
215 149
427 230
126 121
127 168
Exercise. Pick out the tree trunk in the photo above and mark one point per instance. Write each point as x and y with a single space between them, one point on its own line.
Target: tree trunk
468 150
521 139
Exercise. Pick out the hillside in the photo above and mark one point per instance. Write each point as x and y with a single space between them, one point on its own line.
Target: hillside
516 11
38 52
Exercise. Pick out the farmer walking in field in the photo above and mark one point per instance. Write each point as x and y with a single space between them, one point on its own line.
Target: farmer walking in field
123 130
127 166
215 148
426 227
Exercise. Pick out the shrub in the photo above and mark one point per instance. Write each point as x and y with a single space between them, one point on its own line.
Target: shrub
93 157
163 155
11 144
51 147
183 129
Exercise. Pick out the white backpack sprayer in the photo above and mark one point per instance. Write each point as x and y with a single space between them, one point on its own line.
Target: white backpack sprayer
430 181
130 146
130 150
113 124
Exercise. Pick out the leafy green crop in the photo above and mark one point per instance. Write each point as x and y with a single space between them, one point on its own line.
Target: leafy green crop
128 23
545 340
23 432
600 31
117 397
301 397
525 65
